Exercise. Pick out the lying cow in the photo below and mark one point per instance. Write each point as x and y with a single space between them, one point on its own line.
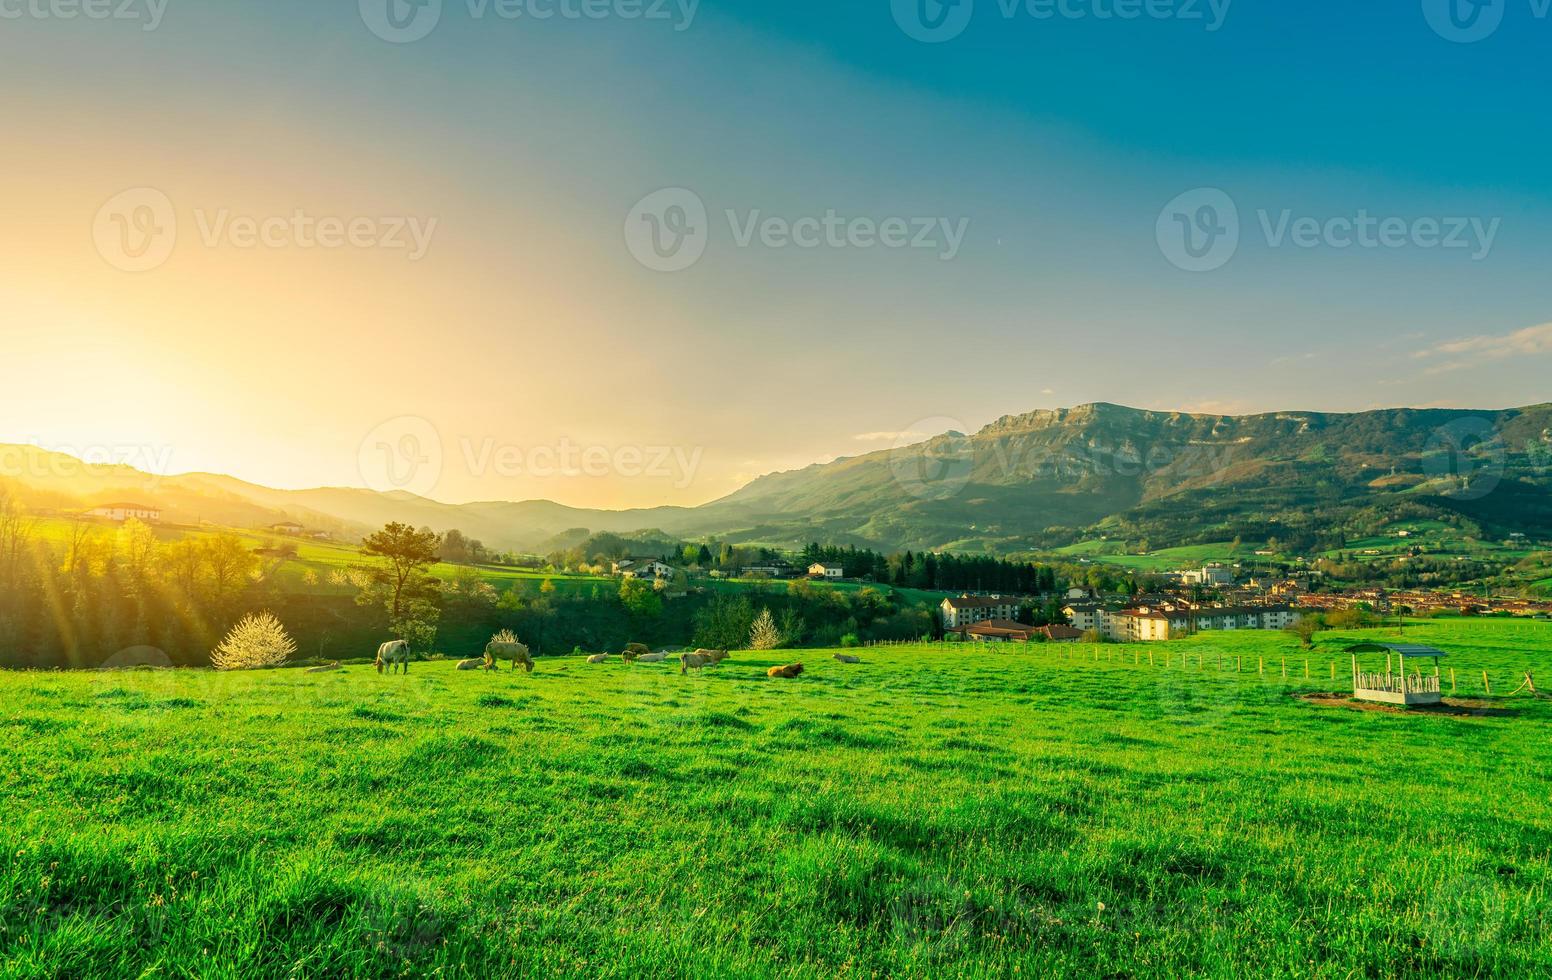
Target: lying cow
475 663
394 652
598 658
323 669
652 658
847 658
498 650
700 659
790 671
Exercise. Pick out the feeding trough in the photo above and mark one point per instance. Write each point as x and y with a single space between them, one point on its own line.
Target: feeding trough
1402 682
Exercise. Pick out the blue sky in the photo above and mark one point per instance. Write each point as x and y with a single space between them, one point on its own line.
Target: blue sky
1053 147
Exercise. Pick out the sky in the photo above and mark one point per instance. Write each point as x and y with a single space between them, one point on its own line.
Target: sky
621 253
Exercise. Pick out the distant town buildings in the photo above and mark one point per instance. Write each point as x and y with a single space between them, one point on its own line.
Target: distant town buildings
125 512
967 609
824 570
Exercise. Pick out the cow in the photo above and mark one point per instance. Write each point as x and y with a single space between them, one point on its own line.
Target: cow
652 658
394 652
509 650
700 659
847 658
598 658
790 671
322 669
477 663
635 651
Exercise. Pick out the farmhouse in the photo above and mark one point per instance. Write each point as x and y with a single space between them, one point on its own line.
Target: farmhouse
999 631
125 512
768 571
966 609
1060 634
287 527
642 568
826 570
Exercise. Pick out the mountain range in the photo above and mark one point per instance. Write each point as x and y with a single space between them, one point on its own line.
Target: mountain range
1022 483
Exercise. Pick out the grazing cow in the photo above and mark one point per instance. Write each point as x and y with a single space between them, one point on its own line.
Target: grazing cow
847 658
790 671
700 659
652 658
635 651
598 658
513 651
394 652
324 669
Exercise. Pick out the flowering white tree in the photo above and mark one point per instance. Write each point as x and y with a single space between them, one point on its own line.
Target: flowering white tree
258 640
764 635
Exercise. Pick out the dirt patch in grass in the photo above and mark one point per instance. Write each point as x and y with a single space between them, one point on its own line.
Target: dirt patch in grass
1453 707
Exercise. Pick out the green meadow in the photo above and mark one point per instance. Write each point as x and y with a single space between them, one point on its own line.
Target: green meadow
935 811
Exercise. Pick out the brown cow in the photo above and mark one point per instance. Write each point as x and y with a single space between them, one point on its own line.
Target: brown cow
699 659
790 671
635 651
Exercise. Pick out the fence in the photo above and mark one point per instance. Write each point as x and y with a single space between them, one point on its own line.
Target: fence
1304 668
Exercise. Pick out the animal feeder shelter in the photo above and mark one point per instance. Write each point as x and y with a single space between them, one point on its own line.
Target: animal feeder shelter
1406 680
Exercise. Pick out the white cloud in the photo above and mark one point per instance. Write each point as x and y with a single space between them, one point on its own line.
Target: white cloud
1492 347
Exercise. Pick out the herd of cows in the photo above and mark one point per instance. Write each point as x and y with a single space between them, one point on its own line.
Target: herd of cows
505 647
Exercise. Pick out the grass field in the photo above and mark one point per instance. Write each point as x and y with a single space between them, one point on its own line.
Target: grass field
1045 811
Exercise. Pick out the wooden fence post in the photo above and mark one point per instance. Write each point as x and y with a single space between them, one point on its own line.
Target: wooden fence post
1487 684
1452 680
1261 666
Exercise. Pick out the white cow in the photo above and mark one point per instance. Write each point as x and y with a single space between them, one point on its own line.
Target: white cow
391 653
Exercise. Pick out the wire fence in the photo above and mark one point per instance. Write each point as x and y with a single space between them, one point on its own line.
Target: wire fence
1444 682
